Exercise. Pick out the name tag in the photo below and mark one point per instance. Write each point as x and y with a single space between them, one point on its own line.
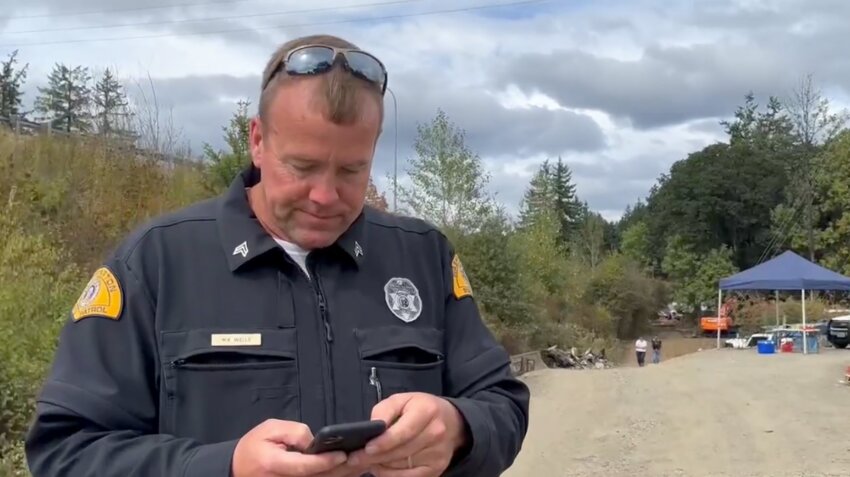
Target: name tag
237 339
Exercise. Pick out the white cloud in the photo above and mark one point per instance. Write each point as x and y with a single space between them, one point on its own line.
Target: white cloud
651 78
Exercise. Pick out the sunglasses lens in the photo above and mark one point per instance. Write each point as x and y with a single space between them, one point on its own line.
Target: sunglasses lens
310 60
366 66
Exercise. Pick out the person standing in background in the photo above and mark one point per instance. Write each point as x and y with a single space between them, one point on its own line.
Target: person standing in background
656 349
640 350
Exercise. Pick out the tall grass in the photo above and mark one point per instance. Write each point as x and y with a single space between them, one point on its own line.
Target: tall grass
64 204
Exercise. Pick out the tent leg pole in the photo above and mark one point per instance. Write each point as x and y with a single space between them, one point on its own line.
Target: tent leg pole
805 341
776 301
719 307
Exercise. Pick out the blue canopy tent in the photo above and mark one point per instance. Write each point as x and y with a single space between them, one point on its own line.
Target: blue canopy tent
787 271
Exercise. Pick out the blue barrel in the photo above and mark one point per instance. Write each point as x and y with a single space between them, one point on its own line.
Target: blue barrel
766 347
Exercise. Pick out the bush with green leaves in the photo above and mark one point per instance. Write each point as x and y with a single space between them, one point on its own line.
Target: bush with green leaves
36 285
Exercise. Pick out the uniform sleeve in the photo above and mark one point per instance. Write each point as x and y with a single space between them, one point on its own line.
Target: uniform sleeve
97 412
480 384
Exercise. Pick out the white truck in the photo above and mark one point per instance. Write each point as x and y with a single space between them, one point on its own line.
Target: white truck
749 342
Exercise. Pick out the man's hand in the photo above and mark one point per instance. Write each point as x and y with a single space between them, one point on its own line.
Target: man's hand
272 449
424 433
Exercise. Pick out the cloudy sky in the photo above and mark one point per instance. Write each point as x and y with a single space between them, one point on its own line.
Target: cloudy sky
620 89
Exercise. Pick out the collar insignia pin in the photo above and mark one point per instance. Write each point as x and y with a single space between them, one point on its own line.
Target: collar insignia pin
241 249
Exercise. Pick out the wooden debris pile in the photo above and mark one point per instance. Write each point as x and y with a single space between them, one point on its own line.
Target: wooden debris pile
558 358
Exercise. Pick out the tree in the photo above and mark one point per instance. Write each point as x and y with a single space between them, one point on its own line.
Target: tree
833 197
66 99
566 202
448 181
542 254
813 124
11 83
695 276
225 166
813 121
753 129
111 106
635 244
539 196
632 298
375 198
589 242
725 193
551 189
155 128
494 268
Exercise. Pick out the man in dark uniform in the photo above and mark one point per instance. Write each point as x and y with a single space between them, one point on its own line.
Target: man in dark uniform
216 340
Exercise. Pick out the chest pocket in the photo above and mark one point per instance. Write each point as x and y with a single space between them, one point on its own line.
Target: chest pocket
219 384
399 359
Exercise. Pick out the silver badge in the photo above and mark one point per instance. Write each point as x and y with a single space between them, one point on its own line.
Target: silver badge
403 299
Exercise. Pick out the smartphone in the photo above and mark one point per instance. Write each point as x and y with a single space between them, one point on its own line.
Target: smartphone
346 437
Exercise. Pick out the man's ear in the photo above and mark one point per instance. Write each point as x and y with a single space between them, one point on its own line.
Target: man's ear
255 141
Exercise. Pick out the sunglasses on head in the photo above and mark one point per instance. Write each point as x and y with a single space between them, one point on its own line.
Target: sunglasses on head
318 59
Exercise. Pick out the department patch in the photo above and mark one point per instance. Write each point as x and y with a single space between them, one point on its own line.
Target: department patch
101 297
403 299
461 286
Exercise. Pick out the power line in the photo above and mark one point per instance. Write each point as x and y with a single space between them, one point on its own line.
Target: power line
133 9
295 25
211 19
787 226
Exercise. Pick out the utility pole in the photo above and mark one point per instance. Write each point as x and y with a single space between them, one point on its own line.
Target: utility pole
395 152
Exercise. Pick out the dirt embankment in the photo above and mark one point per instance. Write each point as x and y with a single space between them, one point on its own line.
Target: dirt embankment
713 413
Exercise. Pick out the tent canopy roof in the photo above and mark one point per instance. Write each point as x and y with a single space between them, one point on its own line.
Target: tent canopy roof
788 271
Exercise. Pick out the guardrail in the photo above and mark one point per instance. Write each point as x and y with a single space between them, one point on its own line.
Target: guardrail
22 126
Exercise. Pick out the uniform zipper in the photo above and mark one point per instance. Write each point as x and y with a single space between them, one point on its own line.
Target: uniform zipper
320 297
326 345
374 381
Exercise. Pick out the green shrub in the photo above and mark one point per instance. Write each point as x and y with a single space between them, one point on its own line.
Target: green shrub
13 460
36 285
64 204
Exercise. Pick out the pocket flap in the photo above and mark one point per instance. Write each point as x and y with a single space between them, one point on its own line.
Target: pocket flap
375 341
266 341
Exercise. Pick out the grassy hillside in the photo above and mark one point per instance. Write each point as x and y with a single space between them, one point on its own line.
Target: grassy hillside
65 203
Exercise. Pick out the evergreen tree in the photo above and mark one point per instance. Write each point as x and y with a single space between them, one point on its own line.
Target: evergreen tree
551 191
111 106
224 166
538 197
566 203
66 99
11 81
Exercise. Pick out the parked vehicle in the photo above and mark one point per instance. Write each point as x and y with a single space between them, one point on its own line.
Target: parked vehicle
838 331
749 342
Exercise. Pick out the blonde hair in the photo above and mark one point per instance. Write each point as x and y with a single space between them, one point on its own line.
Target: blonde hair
341 94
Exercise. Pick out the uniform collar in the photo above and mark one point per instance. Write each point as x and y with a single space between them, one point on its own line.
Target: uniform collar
353 240
244 238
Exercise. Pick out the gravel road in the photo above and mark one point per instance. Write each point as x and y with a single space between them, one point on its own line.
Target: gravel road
712 413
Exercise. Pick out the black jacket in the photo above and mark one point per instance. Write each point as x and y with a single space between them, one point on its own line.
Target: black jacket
200 327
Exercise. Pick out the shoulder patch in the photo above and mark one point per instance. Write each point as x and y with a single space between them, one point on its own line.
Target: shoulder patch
101 297
462 288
